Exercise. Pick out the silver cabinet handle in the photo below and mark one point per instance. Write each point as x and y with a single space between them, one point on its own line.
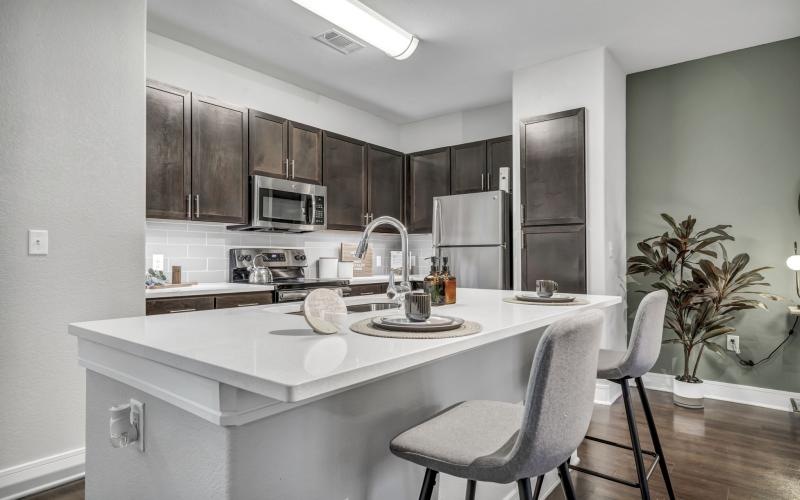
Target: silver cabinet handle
247 305
197 206
489 181
183 310
482 182
188 206
292 169
287 167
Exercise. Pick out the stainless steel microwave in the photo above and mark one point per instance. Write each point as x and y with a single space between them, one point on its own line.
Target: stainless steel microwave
285 205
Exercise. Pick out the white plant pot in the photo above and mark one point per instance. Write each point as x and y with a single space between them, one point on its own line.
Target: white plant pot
687 394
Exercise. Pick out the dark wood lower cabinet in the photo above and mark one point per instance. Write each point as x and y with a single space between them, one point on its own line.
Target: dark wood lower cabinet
368 289
554 253
178 305
206 302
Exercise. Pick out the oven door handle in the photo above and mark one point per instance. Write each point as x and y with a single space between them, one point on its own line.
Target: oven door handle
292 295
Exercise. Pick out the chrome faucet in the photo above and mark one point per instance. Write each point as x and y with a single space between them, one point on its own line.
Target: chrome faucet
393 290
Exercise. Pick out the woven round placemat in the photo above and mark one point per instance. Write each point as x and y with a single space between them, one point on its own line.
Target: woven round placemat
576 302
365 327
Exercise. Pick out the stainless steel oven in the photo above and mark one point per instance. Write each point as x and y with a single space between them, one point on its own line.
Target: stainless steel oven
284 205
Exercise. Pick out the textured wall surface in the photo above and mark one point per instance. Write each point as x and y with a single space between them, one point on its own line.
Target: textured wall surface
72 162
719 138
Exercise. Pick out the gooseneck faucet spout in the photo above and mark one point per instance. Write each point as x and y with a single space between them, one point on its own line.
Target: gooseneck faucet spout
404 286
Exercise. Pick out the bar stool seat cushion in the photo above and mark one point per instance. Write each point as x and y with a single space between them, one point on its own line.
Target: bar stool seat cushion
470 440
609 364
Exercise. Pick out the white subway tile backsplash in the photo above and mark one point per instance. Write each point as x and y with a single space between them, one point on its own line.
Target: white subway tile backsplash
207 251
186 237
207 276
201 249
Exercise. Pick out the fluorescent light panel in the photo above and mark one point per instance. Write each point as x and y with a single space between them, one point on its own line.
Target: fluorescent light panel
366 24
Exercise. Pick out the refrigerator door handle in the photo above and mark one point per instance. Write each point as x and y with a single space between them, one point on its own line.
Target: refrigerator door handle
437 222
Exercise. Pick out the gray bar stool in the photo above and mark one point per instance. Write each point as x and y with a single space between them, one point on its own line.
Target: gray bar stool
621 366
505 442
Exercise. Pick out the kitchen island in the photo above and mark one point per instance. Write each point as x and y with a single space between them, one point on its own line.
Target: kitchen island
250 403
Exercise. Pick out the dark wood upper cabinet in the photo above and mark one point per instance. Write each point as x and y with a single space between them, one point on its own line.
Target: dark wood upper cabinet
219 161
169 170
555 253
498 155
428 177
553 173
269 145
385 183
345 175
305 153
468 168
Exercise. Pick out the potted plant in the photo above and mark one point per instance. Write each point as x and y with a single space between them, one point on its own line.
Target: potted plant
706 291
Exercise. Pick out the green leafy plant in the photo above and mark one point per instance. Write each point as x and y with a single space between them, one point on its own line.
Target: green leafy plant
706 289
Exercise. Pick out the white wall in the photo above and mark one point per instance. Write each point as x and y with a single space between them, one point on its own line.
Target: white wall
72 160
593 80
184 66
457 128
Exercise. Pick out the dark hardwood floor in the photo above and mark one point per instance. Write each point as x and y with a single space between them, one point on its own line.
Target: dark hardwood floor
727 451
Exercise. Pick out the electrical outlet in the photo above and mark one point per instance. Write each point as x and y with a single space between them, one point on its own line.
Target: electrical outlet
37 241
137 420
158 262
732 341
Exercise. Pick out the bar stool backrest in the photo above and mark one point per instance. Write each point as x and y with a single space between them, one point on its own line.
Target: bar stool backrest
560 395
646 335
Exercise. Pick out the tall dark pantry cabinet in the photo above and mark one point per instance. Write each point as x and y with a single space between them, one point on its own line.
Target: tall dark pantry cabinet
553 211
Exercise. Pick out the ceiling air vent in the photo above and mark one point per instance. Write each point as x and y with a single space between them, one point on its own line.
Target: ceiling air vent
337 40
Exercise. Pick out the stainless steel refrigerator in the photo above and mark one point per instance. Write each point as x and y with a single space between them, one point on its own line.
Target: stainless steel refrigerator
474 232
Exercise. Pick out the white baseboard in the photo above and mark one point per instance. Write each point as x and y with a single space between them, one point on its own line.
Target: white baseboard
42 474
735 393
605 392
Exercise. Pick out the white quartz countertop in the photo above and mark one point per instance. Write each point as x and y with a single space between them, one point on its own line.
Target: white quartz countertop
263 350
205 289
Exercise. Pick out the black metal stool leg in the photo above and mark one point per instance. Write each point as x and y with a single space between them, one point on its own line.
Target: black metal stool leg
538 488
641 473
651 424
470 489
427 484
566 481
524 489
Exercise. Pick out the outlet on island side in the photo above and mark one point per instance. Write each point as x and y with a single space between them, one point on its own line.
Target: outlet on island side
732 341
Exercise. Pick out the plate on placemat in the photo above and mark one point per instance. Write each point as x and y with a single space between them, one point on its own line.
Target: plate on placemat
400 323
556 298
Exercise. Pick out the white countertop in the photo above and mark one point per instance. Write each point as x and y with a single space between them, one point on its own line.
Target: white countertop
263 350
205 289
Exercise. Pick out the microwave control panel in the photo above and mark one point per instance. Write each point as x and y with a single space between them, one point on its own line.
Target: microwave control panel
319 210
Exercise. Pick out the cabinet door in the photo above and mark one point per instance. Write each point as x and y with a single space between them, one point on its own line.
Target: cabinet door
219 161
553 174
345 176
230 300
305 153
168 131
555 253
385 181
498 155
429 176
269 145
468 171
178 305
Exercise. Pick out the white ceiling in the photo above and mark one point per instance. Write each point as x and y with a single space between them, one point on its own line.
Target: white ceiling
469 48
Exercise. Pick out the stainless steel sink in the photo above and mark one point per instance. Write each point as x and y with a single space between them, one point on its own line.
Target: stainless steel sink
371 307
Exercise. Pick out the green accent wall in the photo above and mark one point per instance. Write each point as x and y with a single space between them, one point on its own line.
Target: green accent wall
719 138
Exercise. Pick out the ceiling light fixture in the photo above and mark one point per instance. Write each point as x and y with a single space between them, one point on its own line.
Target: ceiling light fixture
366 24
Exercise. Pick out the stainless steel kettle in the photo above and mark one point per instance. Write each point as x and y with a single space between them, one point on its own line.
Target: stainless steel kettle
259 273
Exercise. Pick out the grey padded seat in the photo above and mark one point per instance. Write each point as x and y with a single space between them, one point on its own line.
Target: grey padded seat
505 442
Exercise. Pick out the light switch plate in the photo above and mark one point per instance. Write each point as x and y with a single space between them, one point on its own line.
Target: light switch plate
37 242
